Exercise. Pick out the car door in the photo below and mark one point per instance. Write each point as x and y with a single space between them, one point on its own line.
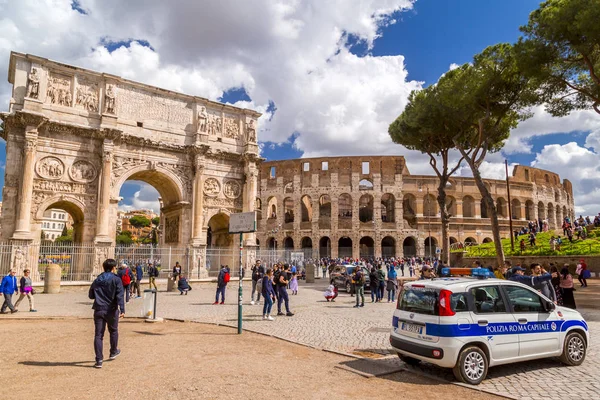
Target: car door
492 320
538 328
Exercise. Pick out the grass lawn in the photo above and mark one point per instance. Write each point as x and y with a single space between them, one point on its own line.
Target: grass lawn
589 246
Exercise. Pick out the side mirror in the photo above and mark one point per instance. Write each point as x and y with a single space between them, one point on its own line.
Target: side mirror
550 306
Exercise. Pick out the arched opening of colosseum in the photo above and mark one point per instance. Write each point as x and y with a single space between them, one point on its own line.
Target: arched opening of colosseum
453 240
468 207
271 243
345 211
541 211
430 207
546 178
388 202
306 243
365 207
288 209
258 208
470 241
551 216
324 206
272 207
288 243
487 240
388 247
409 210
516 209
409 247
430 246
558 219
306 208
564 214
325 247
556 196
365 184
367 247
484 209
501 207
451 206
529 210
345 247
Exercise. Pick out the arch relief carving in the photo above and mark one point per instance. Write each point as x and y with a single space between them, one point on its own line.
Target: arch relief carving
212 187
232 189
50 167
82 171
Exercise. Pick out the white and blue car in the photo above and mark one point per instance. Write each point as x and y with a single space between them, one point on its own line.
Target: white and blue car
471 324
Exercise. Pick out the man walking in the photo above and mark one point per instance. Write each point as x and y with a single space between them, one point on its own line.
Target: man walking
359 286
8 287
258 272
282 296
152 274
139 274
222 281
107 293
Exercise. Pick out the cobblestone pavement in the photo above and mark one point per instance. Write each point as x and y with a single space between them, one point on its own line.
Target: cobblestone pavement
339 327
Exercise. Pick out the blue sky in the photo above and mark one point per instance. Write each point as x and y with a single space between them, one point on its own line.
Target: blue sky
324 75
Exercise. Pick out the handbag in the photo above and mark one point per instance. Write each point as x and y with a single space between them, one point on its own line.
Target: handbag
587 274
32 291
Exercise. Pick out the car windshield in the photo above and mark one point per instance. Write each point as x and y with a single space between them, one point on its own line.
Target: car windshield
419 300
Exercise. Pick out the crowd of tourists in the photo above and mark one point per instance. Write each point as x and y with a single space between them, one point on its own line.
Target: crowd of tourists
576 229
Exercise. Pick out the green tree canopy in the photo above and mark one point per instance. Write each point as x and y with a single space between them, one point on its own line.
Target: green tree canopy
124 238
156 221
423 126
561 49
65 237
139 221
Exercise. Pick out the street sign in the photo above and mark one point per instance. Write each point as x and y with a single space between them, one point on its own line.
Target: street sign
438 250
242 222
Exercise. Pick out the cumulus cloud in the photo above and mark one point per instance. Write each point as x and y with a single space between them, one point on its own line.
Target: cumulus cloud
145 197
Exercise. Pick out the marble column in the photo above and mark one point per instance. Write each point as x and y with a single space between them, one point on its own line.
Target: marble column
22 230
198 202
250 191
104 202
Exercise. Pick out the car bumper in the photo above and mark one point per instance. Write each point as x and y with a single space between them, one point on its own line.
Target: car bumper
424 352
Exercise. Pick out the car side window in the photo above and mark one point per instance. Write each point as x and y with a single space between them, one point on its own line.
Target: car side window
487 300
458 302
524 300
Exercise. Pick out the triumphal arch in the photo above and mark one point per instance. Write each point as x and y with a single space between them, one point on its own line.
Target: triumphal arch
74 136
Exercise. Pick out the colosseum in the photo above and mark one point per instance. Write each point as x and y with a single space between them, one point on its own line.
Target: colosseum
372 206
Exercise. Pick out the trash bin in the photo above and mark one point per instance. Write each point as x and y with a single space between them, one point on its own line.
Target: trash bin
149 304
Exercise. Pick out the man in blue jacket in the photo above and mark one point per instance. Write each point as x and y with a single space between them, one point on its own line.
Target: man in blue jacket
8 288
107 293
531 281
139 274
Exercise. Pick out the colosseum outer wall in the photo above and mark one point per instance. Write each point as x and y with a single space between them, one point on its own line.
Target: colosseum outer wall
372 206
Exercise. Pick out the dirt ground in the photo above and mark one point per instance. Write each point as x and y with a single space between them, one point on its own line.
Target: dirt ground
53 359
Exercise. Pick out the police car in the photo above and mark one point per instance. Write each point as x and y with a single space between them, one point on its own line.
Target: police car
472 324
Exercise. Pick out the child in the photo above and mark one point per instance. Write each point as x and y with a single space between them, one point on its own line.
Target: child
331 293
294 283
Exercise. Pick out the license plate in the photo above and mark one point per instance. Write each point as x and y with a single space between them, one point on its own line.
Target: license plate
411 328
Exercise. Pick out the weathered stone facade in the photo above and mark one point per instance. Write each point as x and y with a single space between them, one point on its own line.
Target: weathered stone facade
353 206
74 137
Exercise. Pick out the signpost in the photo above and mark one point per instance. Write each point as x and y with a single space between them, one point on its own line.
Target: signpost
241 223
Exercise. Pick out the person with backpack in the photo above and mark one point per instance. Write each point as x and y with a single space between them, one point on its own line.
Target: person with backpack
258 272
358 277
152 274
392 283
381 287
282 283
268 293
222 281
126 277
374 280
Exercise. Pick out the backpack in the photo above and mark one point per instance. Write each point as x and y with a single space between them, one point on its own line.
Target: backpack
226 277
125 278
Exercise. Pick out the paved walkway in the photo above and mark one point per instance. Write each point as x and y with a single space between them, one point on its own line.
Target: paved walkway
339 327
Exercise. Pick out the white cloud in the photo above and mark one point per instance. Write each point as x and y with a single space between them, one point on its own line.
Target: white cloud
579 165
145 198
453 66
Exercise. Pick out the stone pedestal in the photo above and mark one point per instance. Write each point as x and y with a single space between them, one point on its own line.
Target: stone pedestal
52 279
170 285
310 273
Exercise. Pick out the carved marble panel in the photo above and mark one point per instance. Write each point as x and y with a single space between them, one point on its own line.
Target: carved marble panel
232 189
50 168
212 187
87 94
215 124
231 127
59 90
82 171
172 229
140 105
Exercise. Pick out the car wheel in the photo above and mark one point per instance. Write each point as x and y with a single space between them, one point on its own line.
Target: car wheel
574 349
348 287
409 360
472 366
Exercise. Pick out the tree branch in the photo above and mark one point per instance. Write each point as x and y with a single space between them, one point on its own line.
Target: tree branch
591 69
